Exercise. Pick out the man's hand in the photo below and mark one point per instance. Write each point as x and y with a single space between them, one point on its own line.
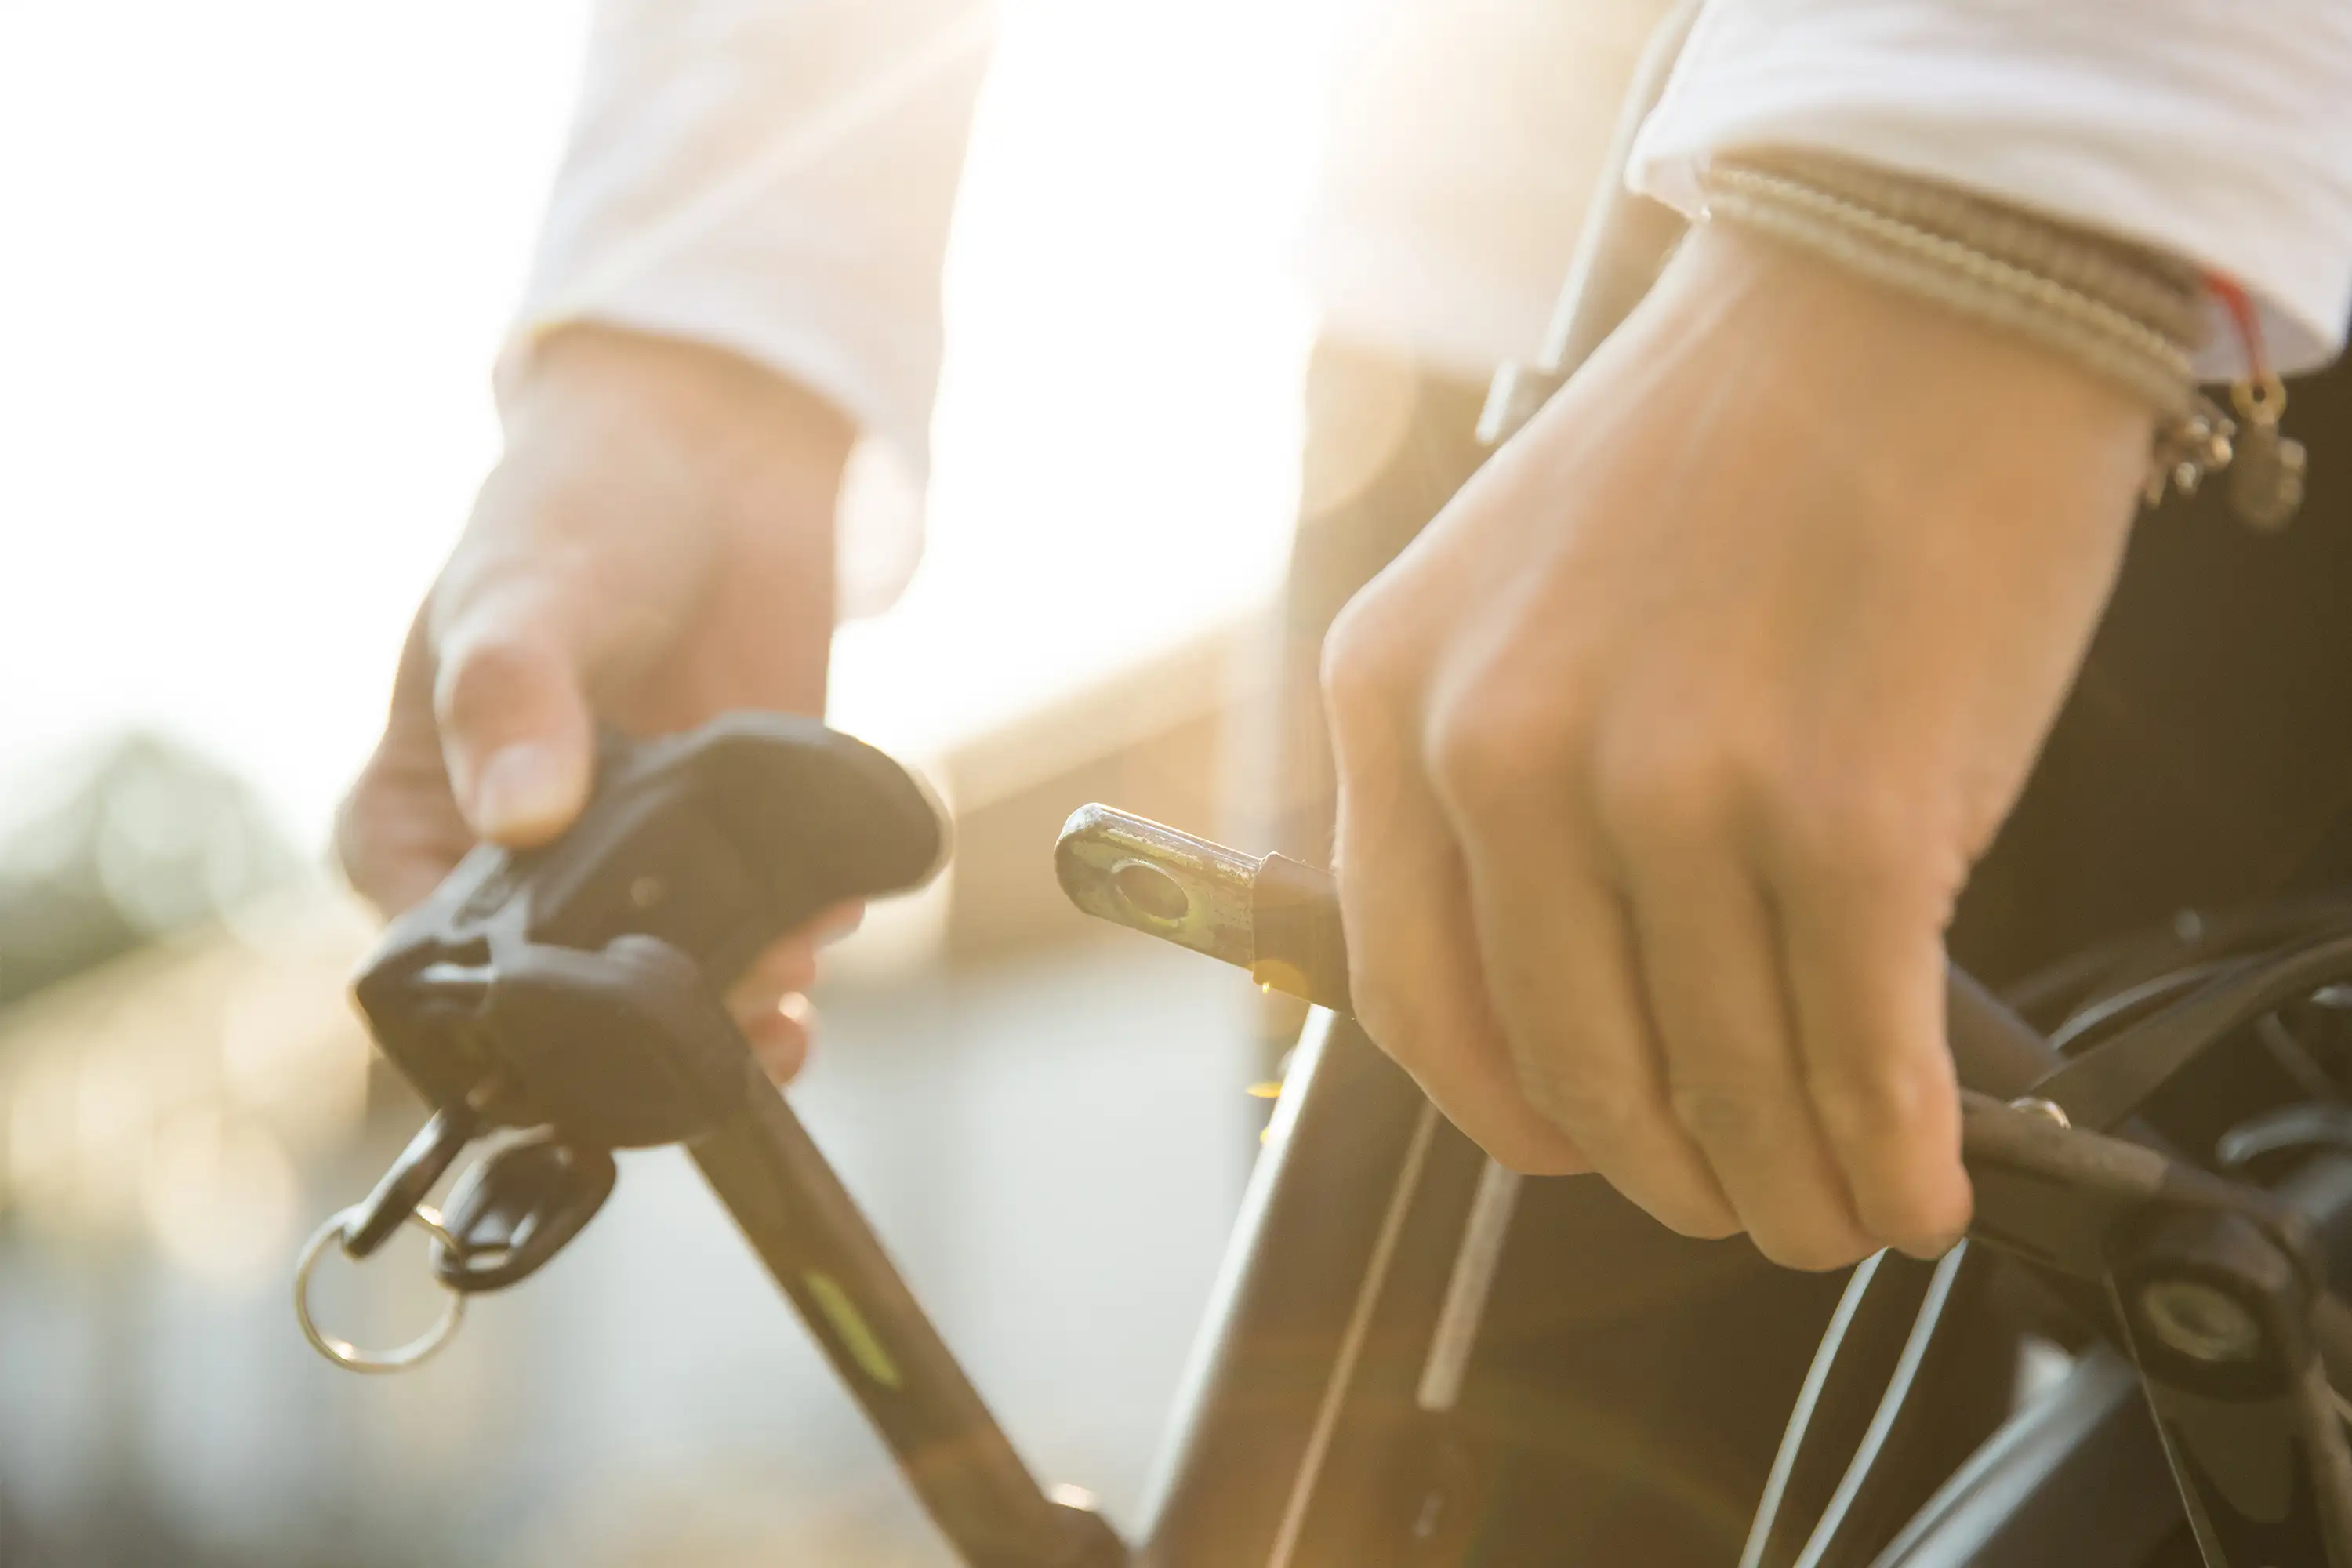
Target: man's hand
655 547
1666 750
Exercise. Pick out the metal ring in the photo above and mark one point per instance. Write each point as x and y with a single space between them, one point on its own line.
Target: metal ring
2260 398
344 1353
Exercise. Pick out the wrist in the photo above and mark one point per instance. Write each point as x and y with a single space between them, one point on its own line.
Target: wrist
736 417
2129 314
1894 383
2134 316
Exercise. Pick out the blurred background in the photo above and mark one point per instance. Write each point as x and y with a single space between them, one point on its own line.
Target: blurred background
261 254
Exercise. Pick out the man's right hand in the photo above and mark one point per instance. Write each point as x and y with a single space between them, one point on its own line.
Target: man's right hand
655 548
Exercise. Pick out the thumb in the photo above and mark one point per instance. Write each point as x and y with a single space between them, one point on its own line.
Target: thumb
516 736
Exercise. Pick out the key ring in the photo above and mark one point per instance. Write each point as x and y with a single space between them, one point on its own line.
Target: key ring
344 1353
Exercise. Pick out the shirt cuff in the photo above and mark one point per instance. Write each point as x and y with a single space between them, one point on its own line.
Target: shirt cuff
775 181
2218 133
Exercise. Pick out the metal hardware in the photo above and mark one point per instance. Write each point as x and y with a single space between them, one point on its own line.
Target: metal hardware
1270 915
342 1230
2268 473
2200 1321
1136 872
2049 1110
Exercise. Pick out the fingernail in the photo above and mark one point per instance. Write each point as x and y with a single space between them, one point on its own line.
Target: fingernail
526 792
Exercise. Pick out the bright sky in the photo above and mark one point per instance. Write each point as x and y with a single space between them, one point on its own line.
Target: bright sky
259 254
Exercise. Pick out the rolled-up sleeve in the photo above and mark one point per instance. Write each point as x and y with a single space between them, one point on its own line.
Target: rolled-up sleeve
2219 132
775 178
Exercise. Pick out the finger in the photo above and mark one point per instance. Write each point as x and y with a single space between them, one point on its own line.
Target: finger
1864 950
1711 975
516 729
789 963
835 922
780 1038
1560 963
1414 966
398 832
788 966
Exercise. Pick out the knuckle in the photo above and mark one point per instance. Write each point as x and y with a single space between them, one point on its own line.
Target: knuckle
1878 1104
1484 758
1719 1112
1665 794
1856 835
1604 1113
1354 670
1380 1013
1852 845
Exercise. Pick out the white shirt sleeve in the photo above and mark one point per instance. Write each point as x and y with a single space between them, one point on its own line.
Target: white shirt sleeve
1464 138
773 177
2217 130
